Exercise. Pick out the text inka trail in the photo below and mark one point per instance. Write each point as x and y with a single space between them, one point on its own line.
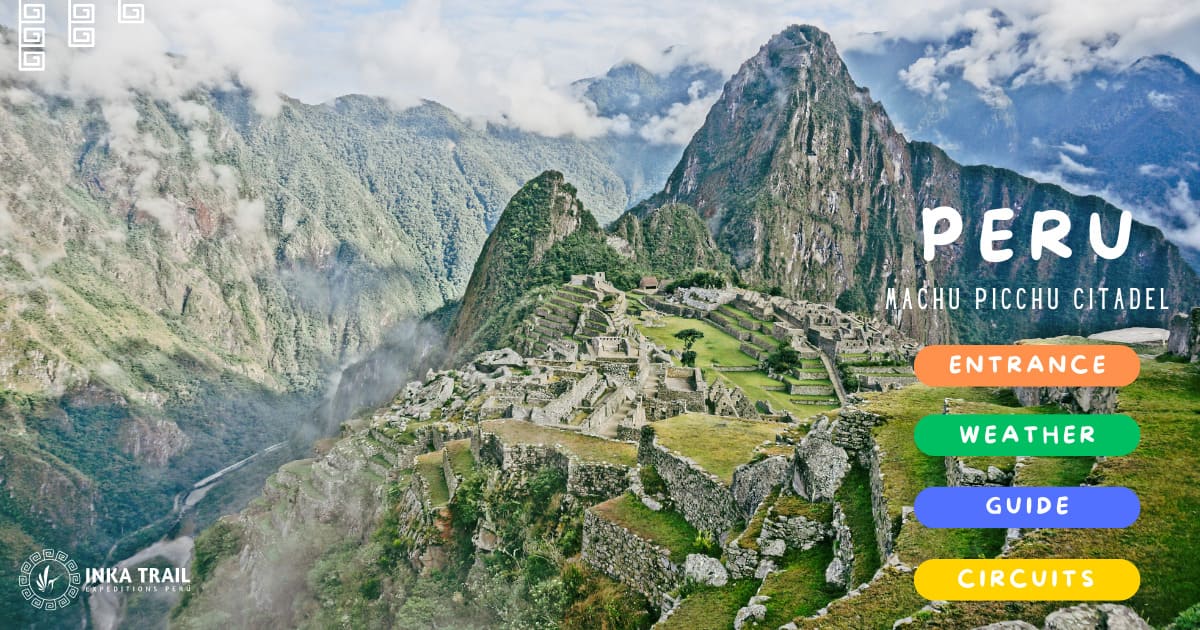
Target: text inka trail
971 435
140 579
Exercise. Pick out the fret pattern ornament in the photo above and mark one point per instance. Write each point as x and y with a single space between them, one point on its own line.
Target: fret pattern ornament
82 24
81 28
130 12
31 44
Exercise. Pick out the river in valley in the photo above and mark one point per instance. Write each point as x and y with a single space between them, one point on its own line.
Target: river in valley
106 608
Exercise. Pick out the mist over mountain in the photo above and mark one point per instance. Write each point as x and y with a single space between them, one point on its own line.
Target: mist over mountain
1130 134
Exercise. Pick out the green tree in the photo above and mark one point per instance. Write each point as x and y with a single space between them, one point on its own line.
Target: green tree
784 359
689 337
689 358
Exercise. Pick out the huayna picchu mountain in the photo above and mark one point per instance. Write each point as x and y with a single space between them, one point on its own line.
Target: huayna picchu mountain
807 185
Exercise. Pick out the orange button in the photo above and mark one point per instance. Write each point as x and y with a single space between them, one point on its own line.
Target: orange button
1027 366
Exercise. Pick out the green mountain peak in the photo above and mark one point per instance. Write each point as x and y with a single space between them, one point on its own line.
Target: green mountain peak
807 185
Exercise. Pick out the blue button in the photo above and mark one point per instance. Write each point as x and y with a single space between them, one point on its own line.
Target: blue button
1098 507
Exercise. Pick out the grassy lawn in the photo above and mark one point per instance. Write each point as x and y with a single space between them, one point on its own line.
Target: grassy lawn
892 597
1072 340
792 505
716 348
429 466
461 459
1163 471
407 436
733 311
756 379
665 528
719 349
855 499
1054 471
586 447
906 469
711 608
717 444
799 590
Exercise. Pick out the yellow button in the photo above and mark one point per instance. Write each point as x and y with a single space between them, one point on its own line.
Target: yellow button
1027 580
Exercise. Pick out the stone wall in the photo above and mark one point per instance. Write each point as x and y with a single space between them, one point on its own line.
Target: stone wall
752 483
819 465
778 535
396 453
758 353
622 555
755 305
884 529
878 382
487 448
959 473
452 479
852 429
558 409
840 569
740 561
795 532
590 480
1184 340
727 400
596 480
1071 399
697 494
607 409
810 390
671 308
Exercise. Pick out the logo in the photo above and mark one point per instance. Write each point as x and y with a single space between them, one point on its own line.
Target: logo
81 28
49 580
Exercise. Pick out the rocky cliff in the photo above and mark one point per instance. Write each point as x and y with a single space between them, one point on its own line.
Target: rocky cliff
807 184
671 239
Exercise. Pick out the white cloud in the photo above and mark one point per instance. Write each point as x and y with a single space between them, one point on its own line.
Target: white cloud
510 60
1077 149
682 120
1158 100
922 77
249 218
1069 165
1016 42
1179 218
1154 170
528 101
1183 225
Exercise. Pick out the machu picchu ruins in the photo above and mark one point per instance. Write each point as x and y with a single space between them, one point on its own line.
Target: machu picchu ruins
777 463
597 391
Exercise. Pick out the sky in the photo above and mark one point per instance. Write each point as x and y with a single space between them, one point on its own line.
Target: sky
512 60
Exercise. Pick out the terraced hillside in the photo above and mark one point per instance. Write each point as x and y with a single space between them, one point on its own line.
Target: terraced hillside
694 520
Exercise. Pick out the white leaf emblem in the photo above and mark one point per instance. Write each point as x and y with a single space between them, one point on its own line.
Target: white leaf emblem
43 580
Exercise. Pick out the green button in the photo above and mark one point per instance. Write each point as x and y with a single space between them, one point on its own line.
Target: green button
1053 435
